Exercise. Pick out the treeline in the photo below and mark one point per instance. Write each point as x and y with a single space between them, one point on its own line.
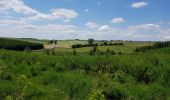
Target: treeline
110 44
18 45
154 46
84 45
96 44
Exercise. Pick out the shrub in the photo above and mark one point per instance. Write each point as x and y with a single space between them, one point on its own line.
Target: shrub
114 93
34 71
30 91
4 73
53 52
46 51
112 52
119 52
166 81
147 75
91 52
119 76
96 95
59 68
94 49
74 52
105 43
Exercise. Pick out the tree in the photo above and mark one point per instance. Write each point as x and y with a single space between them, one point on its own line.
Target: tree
105 43
94 49
55 42
50 42
90 41
108 50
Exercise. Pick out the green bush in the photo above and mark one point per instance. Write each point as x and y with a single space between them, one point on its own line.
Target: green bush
5 73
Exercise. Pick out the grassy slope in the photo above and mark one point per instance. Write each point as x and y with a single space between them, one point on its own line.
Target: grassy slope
84 77
28 40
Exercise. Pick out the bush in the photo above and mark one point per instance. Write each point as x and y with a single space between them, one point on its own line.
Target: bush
4 73
147 75
166 81
46 51
96 95
74 52
114 93
34 71
119 52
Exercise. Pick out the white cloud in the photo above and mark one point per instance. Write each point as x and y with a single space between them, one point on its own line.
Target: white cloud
139 4
165 34
19 28
64 14
14 28
91 25
117 20
104 28
17 6
146 26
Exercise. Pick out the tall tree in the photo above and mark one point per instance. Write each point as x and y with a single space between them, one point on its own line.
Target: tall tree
90 41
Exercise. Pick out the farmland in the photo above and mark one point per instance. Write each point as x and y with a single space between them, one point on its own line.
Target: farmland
129 75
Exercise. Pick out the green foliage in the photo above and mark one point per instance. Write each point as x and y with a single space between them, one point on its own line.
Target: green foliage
28 49
34 71
154 46
90 41
18 45
5 73
46 51
74 52
96 95
137 76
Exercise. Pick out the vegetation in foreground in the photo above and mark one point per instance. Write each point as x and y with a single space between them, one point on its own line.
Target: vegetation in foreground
129 76
102 74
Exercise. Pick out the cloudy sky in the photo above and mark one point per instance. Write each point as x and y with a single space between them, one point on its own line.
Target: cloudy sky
83 19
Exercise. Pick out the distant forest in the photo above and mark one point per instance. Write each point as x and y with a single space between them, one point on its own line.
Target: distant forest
18 45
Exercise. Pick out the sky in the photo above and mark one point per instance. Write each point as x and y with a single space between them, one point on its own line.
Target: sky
141 20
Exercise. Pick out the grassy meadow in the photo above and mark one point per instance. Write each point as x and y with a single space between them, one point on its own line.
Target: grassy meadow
56 75
65 46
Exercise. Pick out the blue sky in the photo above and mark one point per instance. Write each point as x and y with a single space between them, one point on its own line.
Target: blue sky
83 19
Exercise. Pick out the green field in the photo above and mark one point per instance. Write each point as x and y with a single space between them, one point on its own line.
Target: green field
36 75
129 47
